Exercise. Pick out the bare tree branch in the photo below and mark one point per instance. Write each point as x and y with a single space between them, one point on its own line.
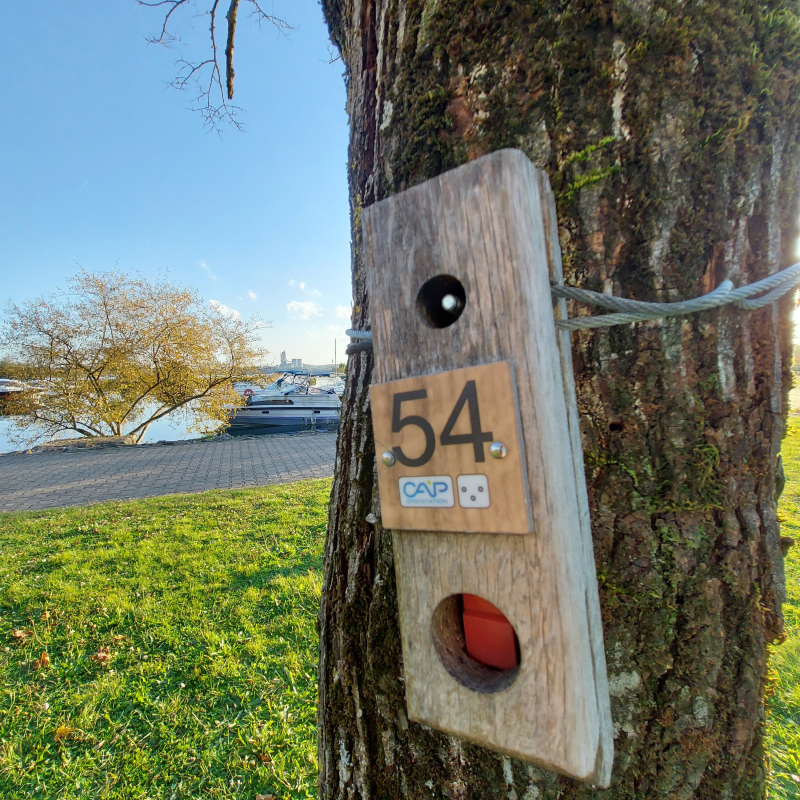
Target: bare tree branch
333 56
229 73
164 37
213 94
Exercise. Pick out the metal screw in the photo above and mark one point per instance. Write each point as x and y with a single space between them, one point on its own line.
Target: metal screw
388 459
450 302
498 450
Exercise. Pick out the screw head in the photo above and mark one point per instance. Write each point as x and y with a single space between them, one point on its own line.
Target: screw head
388 458
449 302
498 450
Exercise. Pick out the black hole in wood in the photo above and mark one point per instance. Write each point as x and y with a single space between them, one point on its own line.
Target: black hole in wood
449 640
441 300
615 427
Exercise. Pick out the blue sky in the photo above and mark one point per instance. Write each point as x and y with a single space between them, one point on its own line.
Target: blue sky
100 163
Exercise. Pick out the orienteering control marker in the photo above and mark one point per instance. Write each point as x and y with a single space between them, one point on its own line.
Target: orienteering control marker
480 468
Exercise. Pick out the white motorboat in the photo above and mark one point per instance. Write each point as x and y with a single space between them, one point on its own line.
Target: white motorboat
289 404
8 387
9 390
330 382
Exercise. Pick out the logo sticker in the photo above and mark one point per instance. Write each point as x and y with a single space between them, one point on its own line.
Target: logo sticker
432 491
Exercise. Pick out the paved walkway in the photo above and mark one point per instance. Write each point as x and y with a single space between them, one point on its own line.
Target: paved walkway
52 480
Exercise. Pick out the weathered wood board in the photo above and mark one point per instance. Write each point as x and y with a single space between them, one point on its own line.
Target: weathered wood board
483 225
500 504
605 757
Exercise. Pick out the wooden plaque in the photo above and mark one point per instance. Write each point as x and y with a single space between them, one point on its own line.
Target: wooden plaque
488 227
439 430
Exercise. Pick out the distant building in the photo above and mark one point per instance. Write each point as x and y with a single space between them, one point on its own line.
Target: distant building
294 363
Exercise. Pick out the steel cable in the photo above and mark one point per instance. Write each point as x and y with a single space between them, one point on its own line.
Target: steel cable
627 311
639 311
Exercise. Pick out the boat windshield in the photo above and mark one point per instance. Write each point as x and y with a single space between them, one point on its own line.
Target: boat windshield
270 401
300 380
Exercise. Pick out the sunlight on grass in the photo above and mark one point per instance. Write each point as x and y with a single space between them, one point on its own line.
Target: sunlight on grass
180 645
783 727
166 648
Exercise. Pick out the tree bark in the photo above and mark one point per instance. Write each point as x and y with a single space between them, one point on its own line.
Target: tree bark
670 134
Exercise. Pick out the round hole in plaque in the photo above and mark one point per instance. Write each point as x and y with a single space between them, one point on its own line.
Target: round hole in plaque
441 300
476 643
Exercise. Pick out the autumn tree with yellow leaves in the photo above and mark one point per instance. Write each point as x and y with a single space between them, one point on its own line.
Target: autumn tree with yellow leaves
113 353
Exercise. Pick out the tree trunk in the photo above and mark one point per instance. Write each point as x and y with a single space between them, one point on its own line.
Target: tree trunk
670 134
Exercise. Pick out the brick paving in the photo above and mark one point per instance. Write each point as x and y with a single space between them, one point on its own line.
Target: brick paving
57 479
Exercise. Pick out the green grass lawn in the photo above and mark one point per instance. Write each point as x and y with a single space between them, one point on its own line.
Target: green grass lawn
783 731
180 646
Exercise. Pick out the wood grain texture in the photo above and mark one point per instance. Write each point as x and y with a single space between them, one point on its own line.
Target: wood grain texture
605 754
508 511
483 223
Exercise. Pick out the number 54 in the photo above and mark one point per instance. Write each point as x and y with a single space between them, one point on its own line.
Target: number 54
476 437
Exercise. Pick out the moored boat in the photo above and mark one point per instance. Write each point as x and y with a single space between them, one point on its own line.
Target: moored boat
9 387
9 390
289 404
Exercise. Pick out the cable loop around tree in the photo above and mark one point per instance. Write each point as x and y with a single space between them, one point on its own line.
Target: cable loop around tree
628 311
775 286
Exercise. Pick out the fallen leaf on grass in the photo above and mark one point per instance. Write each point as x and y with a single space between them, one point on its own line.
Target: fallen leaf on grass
62 731
265 797
45 615
102 656
118 638
265 758
43 661
20 635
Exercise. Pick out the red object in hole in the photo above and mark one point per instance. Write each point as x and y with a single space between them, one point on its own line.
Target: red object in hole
489 635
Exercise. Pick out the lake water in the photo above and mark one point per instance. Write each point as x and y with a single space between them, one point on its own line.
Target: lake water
172 428
166 429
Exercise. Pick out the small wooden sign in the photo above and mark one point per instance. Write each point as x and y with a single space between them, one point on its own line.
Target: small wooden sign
459 271
439 431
